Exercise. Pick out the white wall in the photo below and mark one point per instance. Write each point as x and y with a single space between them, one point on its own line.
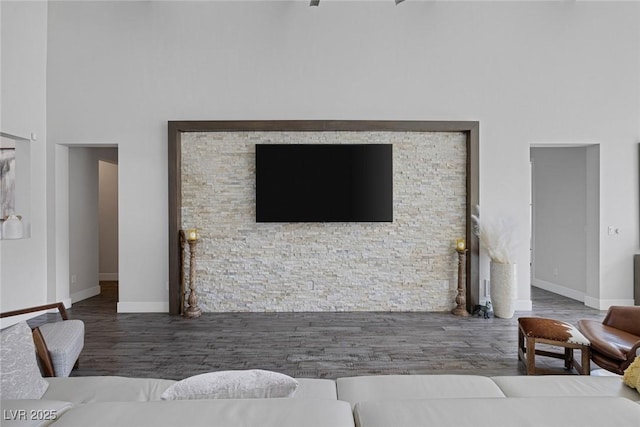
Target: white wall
543 72
23 34
83 219
108 220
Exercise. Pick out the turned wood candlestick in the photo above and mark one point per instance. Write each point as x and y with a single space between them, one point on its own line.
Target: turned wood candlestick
461 299
183 243
193 310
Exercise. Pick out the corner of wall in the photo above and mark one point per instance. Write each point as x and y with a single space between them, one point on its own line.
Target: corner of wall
143 307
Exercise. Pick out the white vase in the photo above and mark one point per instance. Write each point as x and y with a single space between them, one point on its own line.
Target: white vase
503 289
12 228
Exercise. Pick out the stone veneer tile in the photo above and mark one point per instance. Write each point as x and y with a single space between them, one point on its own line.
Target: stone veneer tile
407 265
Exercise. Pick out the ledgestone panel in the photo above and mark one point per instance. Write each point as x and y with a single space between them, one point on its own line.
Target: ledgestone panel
407 265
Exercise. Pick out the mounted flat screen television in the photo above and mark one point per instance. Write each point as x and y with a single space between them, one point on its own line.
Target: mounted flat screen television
324 183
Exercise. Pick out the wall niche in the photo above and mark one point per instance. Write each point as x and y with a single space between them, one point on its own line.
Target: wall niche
15 187
407 265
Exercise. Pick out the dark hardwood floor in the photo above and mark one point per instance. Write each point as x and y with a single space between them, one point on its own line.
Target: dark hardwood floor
317 345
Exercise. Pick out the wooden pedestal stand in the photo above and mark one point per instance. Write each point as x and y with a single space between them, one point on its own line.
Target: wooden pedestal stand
183 243
461 299
193 310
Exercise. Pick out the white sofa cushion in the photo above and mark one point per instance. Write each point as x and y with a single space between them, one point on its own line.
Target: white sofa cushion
247 384
65 340
564 385
123 389
212 413
105 389
20 377
395 387
507 412
32 412
315 388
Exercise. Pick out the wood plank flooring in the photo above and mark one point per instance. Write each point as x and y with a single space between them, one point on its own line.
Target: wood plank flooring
313 345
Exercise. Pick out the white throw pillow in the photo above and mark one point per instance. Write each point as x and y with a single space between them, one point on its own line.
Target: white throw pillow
20 377
251 384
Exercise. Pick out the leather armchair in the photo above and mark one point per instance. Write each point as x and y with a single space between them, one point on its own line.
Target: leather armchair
615 340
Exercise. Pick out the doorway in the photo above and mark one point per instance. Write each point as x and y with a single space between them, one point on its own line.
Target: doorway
108 230
93 231
565 221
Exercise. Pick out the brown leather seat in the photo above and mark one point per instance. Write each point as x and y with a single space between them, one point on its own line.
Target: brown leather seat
615 341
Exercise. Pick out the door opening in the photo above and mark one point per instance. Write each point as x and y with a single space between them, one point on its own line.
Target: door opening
565 221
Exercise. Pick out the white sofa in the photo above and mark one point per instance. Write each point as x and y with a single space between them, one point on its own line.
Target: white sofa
364 401
120 401
28 399
468 400
367 401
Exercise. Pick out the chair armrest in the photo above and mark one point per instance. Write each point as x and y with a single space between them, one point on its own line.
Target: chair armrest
42 350
43 353
625 318
58 305
631 355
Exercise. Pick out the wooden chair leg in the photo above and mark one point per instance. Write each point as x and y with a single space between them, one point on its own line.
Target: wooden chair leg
568 358
531 356
586 360
521 348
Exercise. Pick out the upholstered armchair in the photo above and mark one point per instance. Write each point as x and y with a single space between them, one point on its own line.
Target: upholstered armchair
58 344
616 340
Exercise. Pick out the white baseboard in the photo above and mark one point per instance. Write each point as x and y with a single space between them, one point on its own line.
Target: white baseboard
524 305
559 289
598 304
143 307
108 277
604 304
84 294
10 321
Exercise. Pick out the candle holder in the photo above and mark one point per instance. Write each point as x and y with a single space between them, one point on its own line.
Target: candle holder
461 299
193 310
182 239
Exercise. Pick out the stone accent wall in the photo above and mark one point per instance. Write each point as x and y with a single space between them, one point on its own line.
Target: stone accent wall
407 265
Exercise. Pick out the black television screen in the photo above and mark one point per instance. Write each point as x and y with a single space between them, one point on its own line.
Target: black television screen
324 183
